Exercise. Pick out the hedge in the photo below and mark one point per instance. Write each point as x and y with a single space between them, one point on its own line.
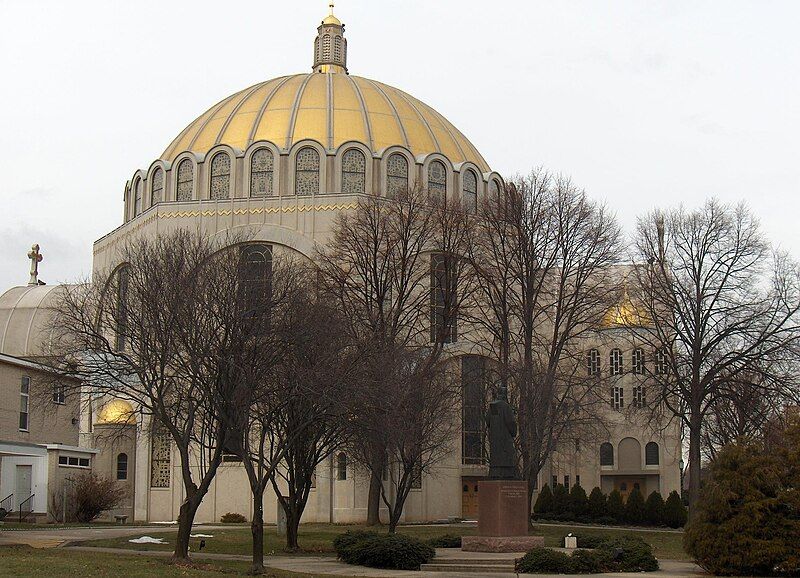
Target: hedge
605 555
391 551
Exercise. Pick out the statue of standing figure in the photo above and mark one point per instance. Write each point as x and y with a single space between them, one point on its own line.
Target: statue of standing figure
502 426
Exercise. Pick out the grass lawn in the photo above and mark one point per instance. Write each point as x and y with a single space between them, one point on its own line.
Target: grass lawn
23 561
317 538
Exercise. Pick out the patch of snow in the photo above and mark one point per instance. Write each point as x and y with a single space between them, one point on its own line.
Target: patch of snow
147 540
200 536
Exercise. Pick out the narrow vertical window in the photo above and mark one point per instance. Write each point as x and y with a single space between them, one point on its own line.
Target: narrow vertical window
185 182
606 454
262 168
354 168
160 450
615 362
121 308
444 326
306 173
566 482
122 467
137 199
256 278
220 176
494 188
59 394
470 192
24 402
651 454
341 467
593 363
637 361
617 397
396 175
473 409
661 365
437 180
157 187
638 396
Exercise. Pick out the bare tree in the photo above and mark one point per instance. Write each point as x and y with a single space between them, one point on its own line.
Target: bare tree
541 256
722 305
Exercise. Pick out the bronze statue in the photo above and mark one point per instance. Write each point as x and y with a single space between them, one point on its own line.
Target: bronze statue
502 429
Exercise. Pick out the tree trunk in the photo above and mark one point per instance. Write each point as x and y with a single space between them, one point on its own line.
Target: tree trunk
257 529
292 529
695 432
374 500
186 515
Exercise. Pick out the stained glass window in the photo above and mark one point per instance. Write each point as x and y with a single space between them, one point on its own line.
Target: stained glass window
651 454
121 313
221 176
341 467
160 447
396 174
470 192
444 320
185 188
306 177
473 409
157 187
137 201
261 171
437 180
354 167
494 187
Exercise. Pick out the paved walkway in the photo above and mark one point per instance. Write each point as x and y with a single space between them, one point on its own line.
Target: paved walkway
329 566
52 538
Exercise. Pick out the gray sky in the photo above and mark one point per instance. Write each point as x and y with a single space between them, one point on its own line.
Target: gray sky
644 103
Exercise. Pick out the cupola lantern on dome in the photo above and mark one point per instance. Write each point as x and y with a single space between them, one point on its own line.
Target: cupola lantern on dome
330 45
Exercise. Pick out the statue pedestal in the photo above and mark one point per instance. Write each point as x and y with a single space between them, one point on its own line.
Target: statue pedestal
502 519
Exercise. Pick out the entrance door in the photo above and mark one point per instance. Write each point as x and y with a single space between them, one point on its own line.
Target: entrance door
626 485
469 498
23 487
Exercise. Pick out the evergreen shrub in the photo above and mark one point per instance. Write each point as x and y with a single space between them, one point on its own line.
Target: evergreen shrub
675 513
654 509
597 504
544 502
634 508
445 541
390 551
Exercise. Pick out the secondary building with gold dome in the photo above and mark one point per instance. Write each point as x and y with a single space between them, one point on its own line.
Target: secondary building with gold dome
280 160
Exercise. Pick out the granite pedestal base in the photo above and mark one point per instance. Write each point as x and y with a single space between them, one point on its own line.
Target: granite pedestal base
502 519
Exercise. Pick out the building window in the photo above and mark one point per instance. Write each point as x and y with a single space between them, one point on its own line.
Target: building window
220 176
637 362
615 362
306 172
73 461
473 409
262 167
256 277
606 454
396 174
354 169
121 319
617 397
651 454
566 482
577 479
122 467
494 188
416 477
638 396
444 326
593 363
554 482
137 199
24 402
59 394
341 467
185 184
157 187
470 192
160 449
437 180
661 366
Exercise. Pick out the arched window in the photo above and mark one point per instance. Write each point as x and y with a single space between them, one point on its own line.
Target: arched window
337 49
137 199
615 362
306 173
629 454
354 168
157 187
341 466
317 55
494 187
593 362
220 176
651 454
470 192
262 166
185 184
122 467
256 277
437 180
606 454
637 361
326 47
396 174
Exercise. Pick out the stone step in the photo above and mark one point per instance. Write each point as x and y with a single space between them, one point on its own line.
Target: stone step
465 568
481 561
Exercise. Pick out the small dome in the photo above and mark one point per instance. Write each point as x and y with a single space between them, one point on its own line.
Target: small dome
116 411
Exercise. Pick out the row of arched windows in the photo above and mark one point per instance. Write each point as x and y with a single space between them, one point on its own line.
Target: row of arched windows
307 177
651 454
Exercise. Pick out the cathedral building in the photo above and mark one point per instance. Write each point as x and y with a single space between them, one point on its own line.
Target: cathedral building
280 160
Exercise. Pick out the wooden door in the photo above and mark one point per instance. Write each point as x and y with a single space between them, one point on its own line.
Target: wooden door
469 498
626 485
23 489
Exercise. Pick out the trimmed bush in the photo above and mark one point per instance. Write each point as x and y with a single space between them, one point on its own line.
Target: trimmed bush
544 561
634 507
675 513
636 555
544 502
578 502
597 504
654 509
746 520
615 508
232 518
560 499
390 551
445 541
589 561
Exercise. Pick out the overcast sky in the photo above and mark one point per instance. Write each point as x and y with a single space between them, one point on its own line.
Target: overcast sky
644 103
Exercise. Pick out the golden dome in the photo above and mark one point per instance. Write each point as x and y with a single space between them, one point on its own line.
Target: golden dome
331 109
116 411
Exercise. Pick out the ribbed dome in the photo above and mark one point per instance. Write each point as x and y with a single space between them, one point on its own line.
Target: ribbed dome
331 109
